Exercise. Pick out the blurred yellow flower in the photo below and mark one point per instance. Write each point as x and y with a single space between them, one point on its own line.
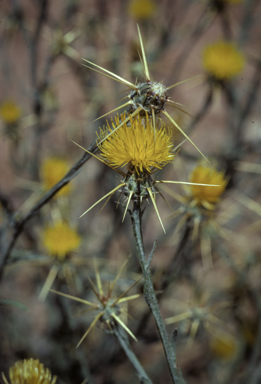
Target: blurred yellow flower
29 371
137 145
142 9
223 60
53 169
10 112
223 345
60 239
207 175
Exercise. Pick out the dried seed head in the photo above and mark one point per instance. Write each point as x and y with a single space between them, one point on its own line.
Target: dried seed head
149 96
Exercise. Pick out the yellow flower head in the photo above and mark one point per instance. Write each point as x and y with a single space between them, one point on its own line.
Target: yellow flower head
53 170
223 346
142 9
207 175
10 112
223 60
60 239
137 145
29 371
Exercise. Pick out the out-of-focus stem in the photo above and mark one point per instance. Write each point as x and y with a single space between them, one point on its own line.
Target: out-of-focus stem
123 340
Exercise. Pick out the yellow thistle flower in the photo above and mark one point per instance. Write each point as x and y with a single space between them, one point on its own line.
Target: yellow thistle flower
204 175
29 371
53 169
142 9
143 150
137 145
199 207
60 239
10 112
223 60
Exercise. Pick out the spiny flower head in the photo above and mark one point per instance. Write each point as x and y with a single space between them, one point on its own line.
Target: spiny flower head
207 175
52 170
10 112
223 60
60 239
108 307
200 311
142 9
137 145
147 97
29 371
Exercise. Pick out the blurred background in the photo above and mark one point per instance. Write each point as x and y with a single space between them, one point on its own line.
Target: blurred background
206 268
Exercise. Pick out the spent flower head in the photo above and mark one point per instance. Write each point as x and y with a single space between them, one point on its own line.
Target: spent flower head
223 60
10 112
108 306
29 371
53 169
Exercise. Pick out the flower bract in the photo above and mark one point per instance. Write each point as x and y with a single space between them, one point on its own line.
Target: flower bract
223 60
29 371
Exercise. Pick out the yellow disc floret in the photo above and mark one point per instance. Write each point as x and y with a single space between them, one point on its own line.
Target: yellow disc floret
60 239
53 170
30 371
142 9
207 175
223 60
10 112
137 145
